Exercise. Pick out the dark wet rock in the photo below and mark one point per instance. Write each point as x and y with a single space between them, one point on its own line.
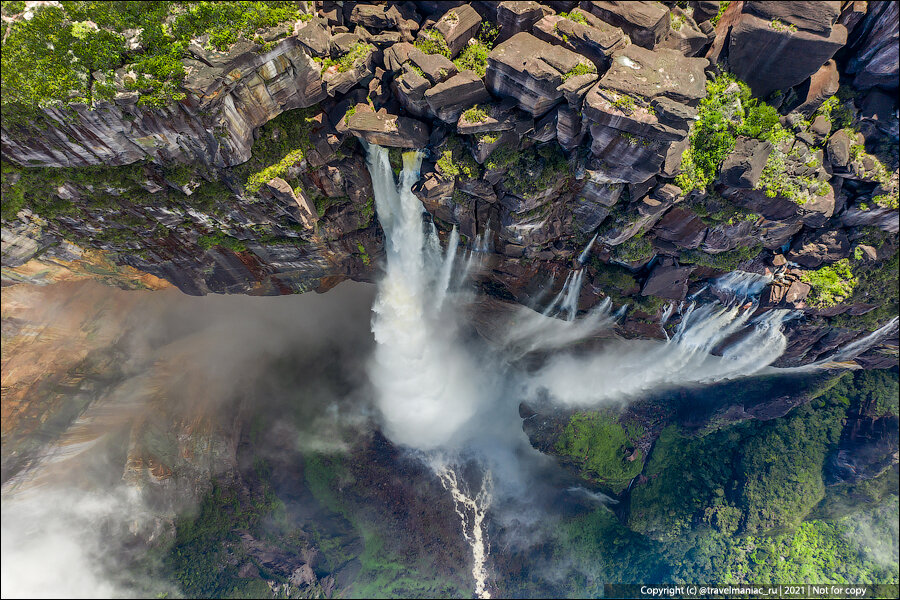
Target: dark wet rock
877 56
667 281
646 23
681 227
758 47
813 249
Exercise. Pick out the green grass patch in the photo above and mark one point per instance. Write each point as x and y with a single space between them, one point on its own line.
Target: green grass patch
831 284
603 447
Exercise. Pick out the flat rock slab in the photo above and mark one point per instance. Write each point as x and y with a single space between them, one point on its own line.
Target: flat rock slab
665 72
530 70
388 130
646 23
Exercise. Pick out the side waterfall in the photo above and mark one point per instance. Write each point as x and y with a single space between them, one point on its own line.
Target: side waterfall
436 390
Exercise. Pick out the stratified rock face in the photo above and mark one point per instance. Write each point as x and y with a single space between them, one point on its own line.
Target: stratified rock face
768 32
876 62
640 111
578 130
596 40
646 23
531 71
231 94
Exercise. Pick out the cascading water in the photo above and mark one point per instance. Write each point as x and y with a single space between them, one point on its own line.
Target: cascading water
427 386
471 511
436 391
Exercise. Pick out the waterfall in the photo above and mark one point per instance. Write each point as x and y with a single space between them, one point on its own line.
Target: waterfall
741 284
440 393
428 385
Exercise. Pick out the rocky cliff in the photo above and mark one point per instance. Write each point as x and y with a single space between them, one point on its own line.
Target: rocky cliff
692 139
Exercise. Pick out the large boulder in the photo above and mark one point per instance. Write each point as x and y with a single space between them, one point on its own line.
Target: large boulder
815 16
646 23
812 249
458 25
681 227
596 40
388 130
531 71
759 45
668 281
449 99
517 16
745 164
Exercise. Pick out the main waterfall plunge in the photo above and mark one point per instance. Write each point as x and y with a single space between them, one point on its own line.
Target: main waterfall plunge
439 390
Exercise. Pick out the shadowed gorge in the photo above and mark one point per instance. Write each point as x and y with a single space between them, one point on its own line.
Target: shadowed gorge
440 299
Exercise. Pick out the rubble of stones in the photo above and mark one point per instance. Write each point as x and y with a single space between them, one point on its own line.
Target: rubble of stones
577 127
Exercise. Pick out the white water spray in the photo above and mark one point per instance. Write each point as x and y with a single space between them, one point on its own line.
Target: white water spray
435 391
428 387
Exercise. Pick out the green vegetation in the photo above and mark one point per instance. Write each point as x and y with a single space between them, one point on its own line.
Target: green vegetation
724 261
579 69
715 210
779 26
348 60
221 239
742 504
281 143
530 171
831 284
474 56
575 17
383 572
456 161
51 59
604 449
876 283
727 111
431 41
363 254
198 559
723 6
476 114
748 477
634 249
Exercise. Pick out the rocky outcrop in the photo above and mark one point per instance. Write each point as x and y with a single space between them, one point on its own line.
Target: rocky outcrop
768 31
578 128
876 60
230 95
531 71
646 23
641 109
